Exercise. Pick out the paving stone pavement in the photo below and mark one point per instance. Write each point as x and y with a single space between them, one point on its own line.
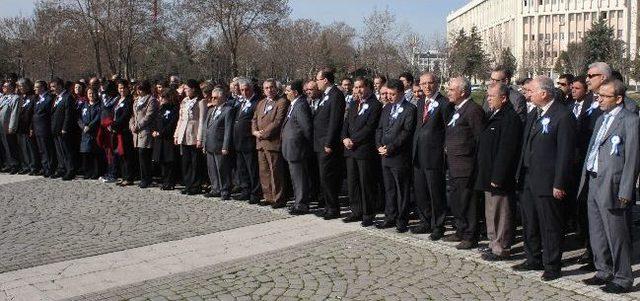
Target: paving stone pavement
49 225
45 221
352 266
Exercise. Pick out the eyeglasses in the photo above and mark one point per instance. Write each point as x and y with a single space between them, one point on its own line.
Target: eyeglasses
593 75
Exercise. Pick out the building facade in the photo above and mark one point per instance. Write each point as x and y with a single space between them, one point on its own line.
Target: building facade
537 31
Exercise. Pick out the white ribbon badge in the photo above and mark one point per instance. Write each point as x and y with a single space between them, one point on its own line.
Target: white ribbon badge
545 125
615 142
454 118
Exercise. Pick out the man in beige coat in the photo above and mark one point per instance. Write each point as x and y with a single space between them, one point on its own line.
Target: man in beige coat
266 126
144 112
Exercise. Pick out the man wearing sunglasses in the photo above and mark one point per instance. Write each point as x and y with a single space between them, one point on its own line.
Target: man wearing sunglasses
564 85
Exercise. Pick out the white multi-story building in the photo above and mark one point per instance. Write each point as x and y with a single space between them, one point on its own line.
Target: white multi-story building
538 30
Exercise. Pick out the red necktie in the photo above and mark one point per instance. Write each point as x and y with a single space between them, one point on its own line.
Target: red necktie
425 113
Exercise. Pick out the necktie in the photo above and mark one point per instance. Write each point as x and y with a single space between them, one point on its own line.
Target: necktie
425 113
576 109
593 154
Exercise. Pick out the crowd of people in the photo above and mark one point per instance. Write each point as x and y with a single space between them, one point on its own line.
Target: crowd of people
555 159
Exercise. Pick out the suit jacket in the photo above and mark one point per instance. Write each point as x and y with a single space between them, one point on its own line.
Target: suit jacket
327 121
144 111
517 100
461 137
630 105
165 124
548 156
297 131
396 134
187 129
268 118
585 122
122 115
219 128
42 115
89 117
243 140
498 151
26 114
10 107
428 140
63 114
360 126
618 170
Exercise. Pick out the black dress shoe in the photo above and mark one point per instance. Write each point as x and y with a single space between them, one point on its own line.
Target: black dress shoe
192 191
420 230
595 281
613 288
211 195
143 185
57 175
367 222
351 219
296 211
493 257
452 238
386 225
242 197
331 215
550 275
254 201
402 228
436 235
525 266
264 204
485 250
467 245
68 177
225 197
278 205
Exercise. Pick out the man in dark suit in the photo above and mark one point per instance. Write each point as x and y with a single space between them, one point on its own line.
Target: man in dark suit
612 168
359 140
586 112
518 101
266 126
497 159
218 144
464 125
297 136
393 140
41 128
63 125
564 89
245 144
428 158
545 171
327 127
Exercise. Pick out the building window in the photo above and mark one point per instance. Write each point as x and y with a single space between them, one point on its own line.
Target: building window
571 36
540 37
533 37
603 15
526 37
579 18
555 54
562 36
555 36
547 36
619 33
579 34
586 17
561 19
571 17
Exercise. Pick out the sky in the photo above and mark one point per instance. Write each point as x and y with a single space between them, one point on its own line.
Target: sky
427 17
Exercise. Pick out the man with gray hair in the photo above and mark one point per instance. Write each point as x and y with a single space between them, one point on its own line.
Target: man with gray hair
518 101
245 144
599 72
464 125
544 173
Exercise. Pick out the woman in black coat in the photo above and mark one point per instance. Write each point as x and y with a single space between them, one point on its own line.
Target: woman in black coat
89 122
165 152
